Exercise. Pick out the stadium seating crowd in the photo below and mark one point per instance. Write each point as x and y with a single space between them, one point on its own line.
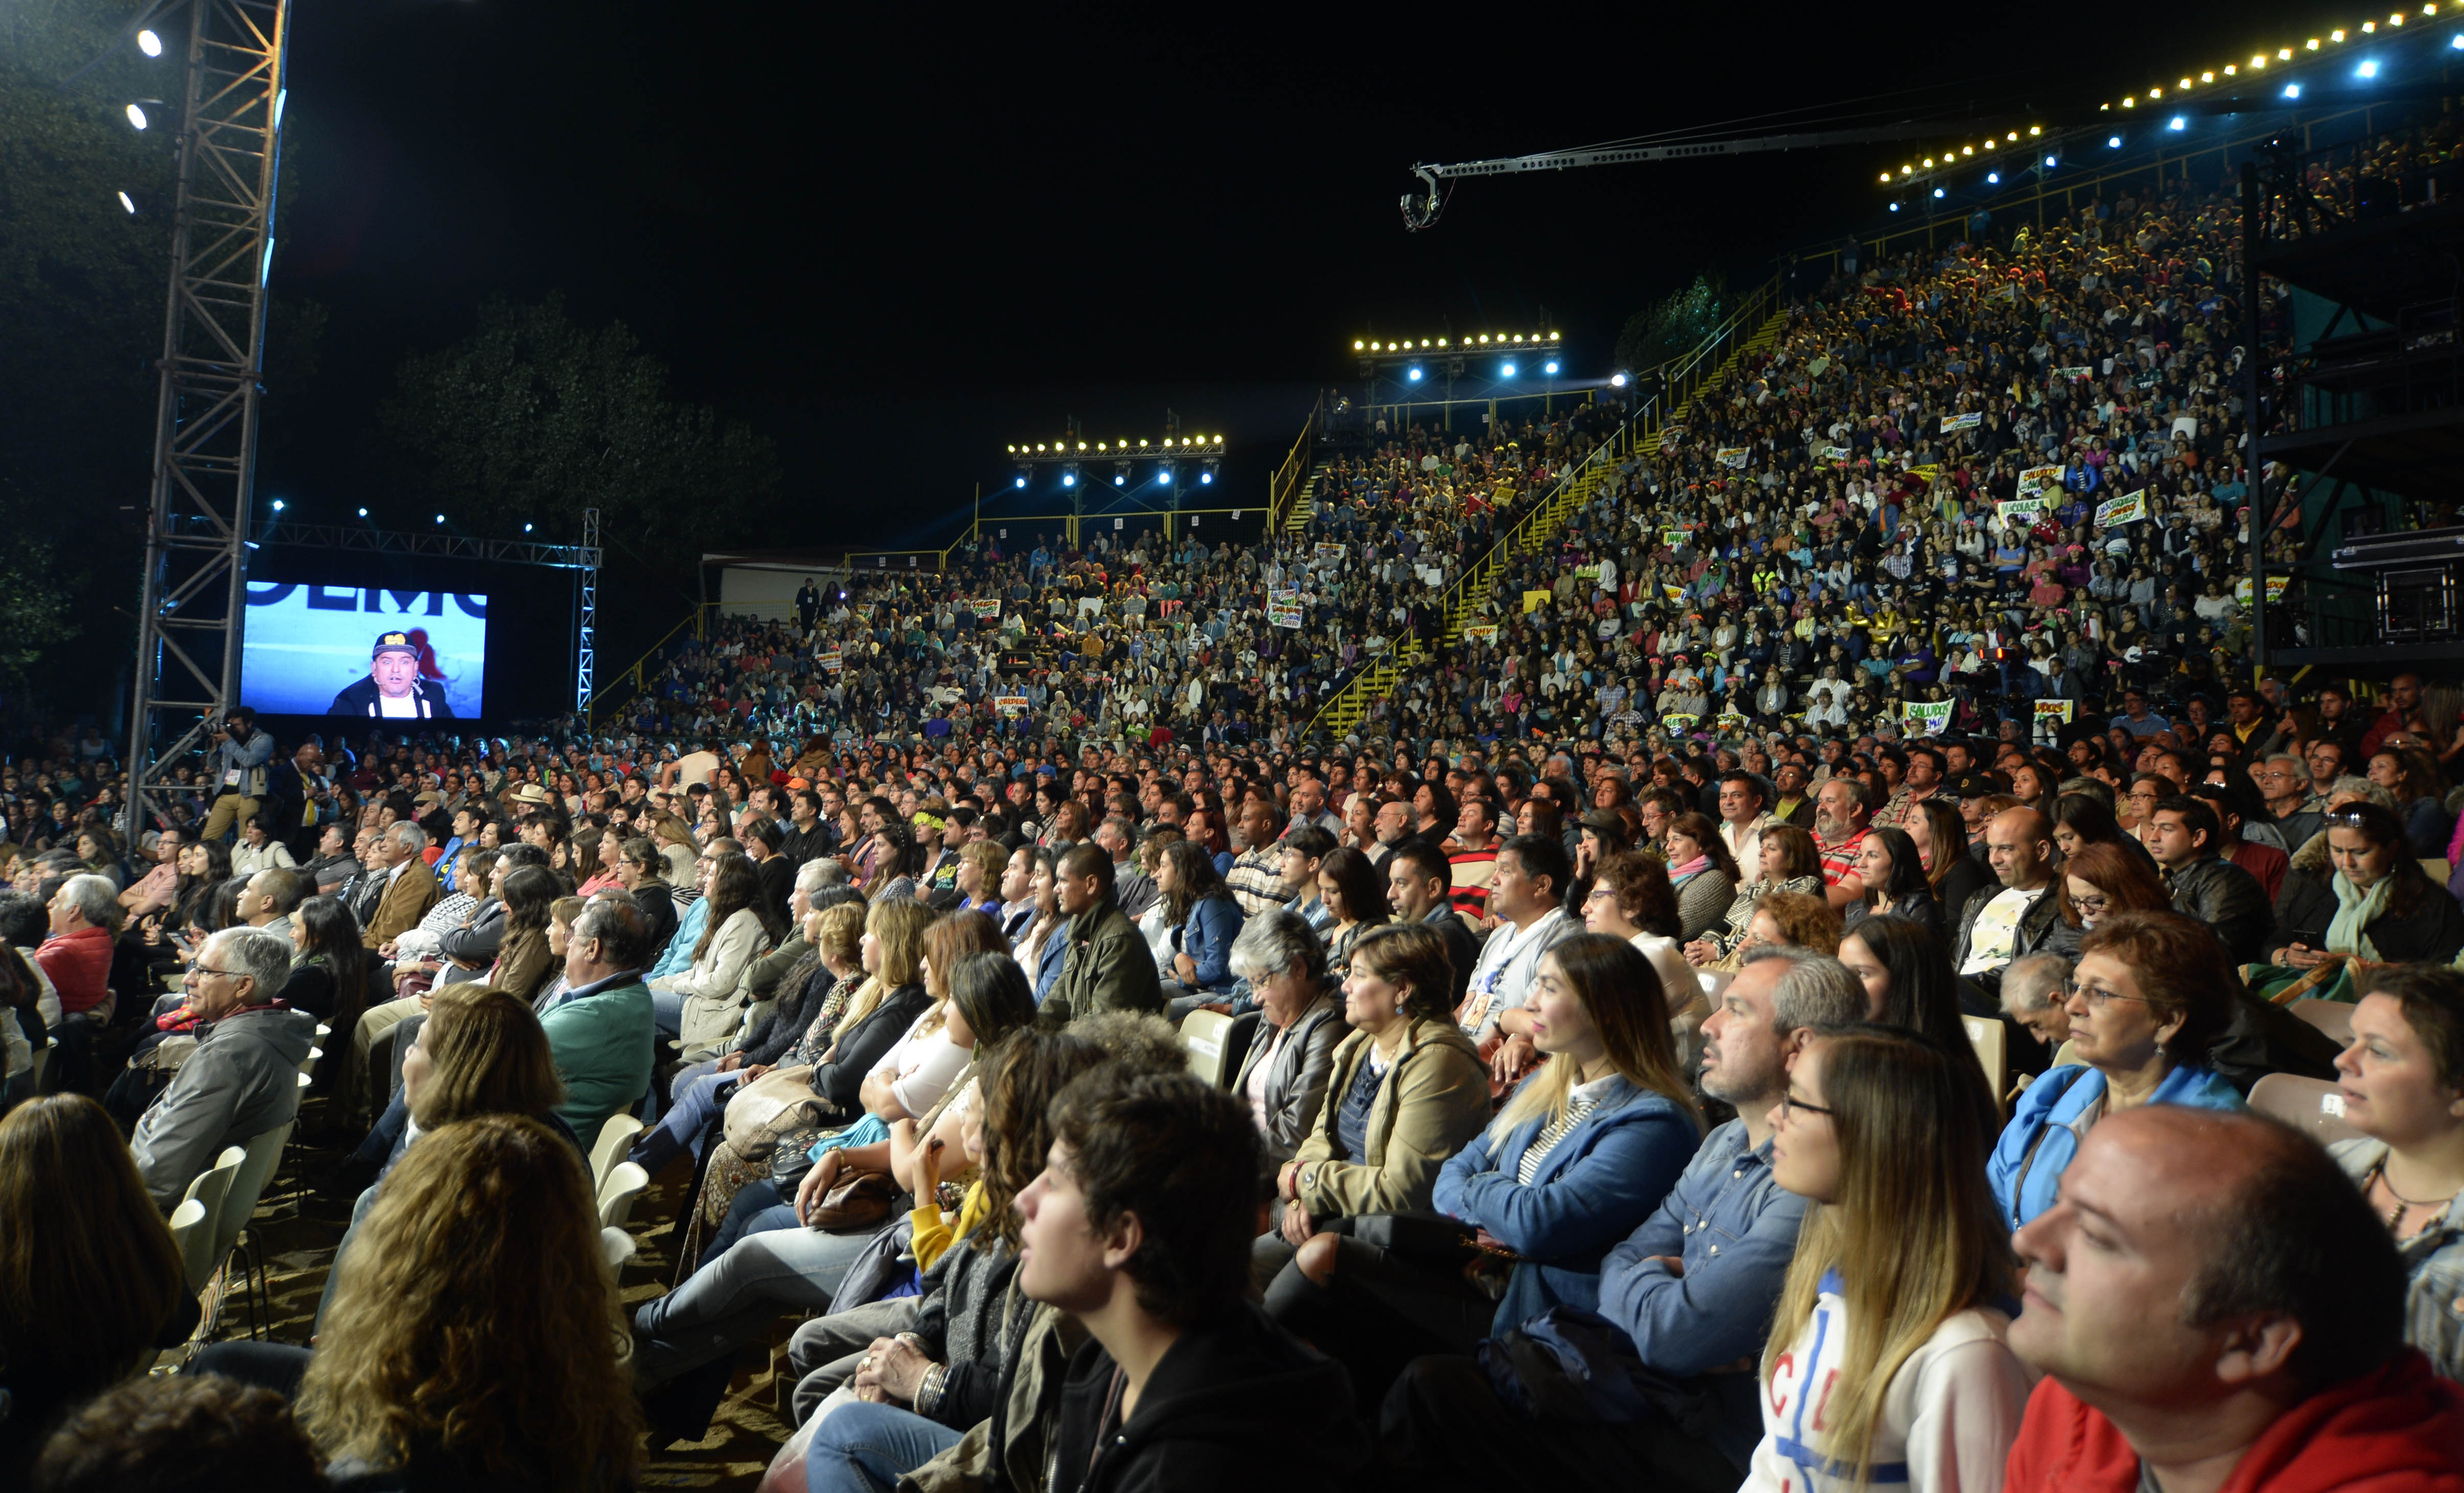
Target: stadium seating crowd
1099 1082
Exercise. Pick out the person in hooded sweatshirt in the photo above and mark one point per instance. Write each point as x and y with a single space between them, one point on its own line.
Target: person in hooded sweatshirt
243 1078
1139 1228
2216 1309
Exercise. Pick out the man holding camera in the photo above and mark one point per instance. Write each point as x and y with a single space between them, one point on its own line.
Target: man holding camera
241 754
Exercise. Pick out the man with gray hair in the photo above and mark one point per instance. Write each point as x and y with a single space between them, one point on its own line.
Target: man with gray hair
2283 780
411 888
243 1078
601 1029
2036 993
1814 993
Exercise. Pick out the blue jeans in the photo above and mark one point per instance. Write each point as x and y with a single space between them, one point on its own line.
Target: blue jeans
668 1012
769 1265
866 1448
701 1096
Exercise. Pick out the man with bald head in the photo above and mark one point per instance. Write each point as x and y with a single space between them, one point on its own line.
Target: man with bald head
2215 1308
2022 916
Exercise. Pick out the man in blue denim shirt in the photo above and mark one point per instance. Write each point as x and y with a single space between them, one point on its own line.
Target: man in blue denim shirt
1693 1288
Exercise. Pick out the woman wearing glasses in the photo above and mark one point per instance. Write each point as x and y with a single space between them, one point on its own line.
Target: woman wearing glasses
2102 880
2152 993
2375 904
1886 1362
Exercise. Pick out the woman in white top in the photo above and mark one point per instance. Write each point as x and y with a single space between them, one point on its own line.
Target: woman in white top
1886 1365
258 849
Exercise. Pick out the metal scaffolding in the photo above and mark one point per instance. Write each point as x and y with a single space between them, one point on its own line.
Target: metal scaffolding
190 608
585 632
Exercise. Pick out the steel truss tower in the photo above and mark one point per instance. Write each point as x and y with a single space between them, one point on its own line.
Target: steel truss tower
190 610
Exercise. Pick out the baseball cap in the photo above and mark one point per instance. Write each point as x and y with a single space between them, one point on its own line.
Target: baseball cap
394 643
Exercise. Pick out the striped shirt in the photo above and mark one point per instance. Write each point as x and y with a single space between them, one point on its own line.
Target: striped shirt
1839 861
1579 1105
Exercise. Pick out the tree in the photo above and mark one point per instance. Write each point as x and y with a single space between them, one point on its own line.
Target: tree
535 417
1672 327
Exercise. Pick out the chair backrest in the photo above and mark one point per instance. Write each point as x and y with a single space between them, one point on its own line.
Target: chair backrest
258 1158
192 1229
1714 982
616 1247
209 1192
1991 1040
2066 1055
308 1064
2313 1103
1237 1038
2335 1018
1201 1033
43 1060
615 1139
625 1182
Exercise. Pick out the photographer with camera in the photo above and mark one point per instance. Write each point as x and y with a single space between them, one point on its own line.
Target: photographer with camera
240 753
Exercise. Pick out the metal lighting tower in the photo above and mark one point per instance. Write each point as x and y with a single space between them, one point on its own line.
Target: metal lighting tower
585 635
189 612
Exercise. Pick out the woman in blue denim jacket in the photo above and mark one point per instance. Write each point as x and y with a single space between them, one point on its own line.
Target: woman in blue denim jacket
1580 1157
1204 918
2403 1083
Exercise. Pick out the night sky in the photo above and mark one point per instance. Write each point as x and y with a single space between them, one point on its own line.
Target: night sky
897 242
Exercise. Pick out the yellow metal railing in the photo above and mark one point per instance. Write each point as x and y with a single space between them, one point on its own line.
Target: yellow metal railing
1285 484
1684 376
637 673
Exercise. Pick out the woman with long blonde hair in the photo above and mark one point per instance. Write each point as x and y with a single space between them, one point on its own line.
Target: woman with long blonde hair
1886 1362
477 1336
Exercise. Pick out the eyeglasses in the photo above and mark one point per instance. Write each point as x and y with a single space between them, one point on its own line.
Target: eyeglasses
2099 998
2350 816
2090 904
1790 1105
194 967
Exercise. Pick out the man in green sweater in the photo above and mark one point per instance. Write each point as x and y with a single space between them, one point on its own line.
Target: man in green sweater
1108 967
600 1028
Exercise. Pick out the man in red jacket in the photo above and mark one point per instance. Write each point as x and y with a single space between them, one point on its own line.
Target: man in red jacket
2216 1310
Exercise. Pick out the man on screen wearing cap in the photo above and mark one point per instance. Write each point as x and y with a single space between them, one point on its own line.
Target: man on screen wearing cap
393 688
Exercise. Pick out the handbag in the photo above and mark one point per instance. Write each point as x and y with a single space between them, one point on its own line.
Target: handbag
770 1106
858 1201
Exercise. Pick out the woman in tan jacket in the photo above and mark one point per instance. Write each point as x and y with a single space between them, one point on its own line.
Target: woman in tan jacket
1407 1091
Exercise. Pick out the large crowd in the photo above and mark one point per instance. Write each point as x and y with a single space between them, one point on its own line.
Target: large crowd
1647 1050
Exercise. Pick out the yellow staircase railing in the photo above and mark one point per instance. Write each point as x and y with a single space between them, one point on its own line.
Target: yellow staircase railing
1752 328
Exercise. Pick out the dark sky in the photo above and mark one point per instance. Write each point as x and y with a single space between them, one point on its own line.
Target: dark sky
895 237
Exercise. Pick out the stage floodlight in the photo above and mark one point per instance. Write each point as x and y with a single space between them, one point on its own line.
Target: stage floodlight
1895 206
2049 161
440 518
1414 375
2457 42
1617 381
278 505
1506 371
127 202
150 43
1069 479
363 512
1163 474
2113 142
1993 178
2294 90
1208 476
2367 70
2177 122
526 528
1022 482
1550 366
137 116
1937 191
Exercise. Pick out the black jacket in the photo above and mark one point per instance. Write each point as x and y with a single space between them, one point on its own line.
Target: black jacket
2227 899
657 901
2431 932
861 1048
477 944
1238 1406
1463 945
2041 931
359 698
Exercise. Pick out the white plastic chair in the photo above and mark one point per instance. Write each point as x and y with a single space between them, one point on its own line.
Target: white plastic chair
2313 1103
259 1156
43 1060
208 1192
308 1064
615 1139
625 1183
2335 1018
1991 1040
616 1247
192 1225
1201 1034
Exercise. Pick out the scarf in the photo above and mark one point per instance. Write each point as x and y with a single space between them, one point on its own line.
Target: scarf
1678 874
2355 911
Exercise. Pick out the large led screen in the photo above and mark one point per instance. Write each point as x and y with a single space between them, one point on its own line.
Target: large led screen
361 651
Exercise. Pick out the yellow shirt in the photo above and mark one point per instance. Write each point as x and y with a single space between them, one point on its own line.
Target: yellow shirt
933 1237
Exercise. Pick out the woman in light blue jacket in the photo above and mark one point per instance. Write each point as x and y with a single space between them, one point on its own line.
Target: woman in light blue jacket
1587 1148
1205 920
2152 992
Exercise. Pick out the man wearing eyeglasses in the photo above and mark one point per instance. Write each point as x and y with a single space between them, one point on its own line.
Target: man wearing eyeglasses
2284 780
243 1078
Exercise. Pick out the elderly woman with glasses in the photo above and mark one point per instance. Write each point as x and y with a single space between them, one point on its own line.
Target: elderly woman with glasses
2152 993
